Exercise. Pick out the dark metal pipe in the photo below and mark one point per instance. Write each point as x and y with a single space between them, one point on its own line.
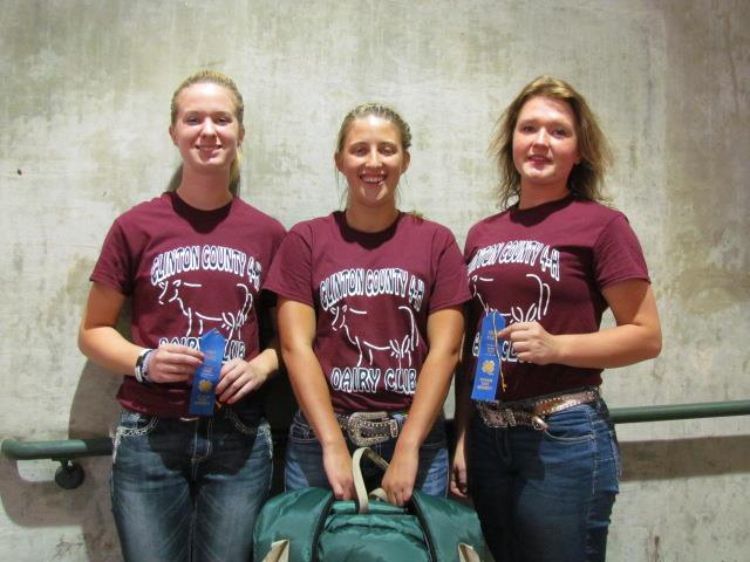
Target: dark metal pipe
56 450
639 414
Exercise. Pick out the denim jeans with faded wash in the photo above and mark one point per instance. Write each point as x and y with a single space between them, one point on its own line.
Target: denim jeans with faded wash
189 490
304 459
546 496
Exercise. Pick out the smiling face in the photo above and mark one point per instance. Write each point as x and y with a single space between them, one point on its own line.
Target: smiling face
372 159
545 146
206 129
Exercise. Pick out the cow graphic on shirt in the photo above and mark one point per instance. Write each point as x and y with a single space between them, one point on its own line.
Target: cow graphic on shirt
399 347
532 311
185 295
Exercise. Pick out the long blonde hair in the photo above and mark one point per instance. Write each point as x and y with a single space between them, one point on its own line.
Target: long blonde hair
220 79
587 177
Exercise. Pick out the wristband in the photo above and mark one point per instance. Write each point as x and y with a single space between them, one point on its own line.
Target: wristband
141 366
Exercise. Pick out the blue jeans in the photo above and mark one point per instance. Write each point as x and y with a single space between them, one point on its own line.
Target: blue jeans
304 459
189 490
546 496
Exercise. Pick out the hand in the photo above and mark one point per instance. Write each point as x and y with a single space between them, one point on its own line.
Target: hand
399 479
531 343
237 379
459 479
171 363
337 463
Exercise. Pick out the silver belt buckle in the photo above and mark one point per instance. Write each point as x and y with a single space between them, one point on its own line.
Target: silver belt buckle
357 421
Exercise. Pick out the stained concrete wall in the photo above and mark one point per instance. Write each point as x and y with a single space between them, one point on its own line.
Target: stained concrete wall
84 107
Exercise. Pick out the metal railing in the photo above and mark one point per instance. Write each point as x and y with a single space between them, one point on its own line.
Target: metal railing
70 474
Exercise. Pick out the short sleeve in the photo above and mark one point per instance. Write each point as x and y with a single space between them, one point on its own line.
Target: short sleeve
291 271
450 287
114 268
618 254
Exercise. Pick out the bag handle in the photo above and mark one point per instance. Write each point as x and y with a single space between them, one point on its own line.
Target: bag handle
420 505
363 499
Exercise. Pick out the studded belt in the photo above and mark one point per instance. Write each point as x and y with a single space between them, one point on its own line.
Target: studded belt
368 428
532 411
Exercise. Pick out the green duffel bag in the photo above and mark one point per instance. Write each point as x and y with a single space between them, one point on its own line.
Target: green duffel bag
309 526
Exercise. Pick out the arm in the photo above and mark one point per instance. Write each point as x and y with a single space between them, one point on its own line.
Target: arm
240 377
444 331
464 409
297 333
636 337
104 345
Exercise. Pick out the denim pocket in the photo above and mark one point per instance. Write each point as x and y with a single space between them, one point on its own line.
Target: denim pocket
570 426
245 425
300 431
132 425
135 424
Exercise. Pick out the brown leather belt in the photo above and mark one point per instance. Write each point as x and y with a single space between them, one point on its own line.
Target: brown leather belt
532 411
368 428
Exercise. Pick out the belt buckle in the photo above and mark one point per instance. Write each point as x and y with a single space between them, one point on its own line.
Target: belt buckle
359 420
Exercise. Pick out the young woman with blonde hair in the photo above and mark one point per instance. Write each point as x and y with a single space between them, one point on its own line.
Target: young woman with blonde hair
540 458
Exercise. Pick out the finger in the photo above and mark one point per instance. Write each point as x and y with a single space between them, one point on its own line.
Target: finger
185 359
236 391
459 482
173 370
392 498
338 492
164 377
171 365
231 366
159 371
347 491
453 487
458 490
182 350
227 376
405 496
504 333
526 357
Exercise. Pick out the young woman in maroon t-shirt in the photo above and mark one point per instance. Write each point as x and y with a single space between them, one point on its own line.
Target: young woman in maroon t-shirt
370 323
542 456
193 260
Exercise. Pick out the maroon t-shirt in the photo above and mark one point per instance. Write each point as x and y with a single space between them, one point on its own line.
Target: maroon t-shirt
549 264
372 294
187 271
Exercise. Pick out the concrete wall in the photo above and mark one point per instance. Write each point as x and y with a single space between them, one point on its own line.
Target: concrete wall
84 107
